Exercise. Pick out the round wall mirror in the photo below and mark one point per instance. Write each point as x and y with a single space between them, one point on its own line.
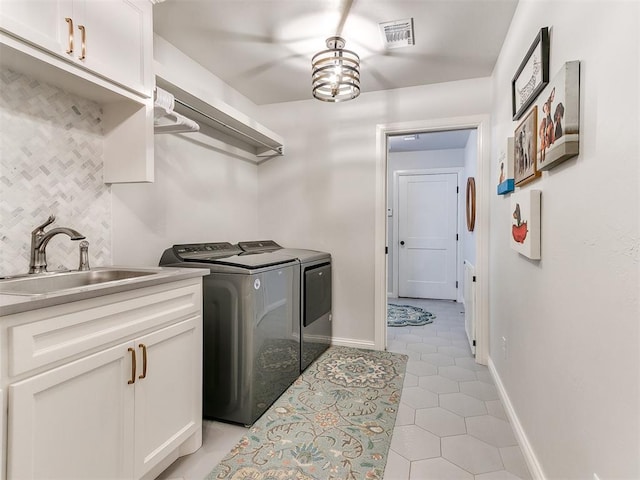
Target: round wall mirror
471 204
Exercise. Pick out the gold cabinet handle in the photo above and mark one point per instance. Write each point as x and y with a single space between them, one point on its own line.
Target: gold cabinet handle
144 360
133 366
83 37
70 41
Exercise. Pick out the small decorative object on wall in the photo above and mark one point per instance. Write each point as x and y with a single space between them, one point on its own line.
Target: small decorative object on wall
559 120
505 169
524 149
532 75
525 223
471 204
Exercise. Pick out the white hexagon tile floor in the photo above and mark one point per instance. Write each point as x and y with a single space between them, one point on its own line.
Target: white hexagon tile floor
451 423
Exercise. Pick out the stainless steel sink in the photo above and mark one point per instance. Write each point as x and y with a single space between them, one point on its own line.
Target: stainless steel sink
40 284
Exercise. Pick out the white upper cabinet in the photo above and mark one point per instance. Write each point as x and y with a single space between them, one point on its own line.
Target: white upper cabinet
110 38
41 22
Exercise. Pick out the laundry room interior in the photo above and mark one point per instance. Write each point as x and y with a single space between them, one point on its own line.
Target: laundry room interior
554 333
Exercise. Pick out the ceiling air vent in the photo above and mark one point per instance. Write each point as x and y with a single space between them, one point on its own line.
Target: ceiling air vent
398 33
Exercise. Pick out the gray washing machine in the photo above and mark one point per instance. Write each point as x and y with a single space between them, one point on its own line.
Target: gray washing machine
251 326
315 296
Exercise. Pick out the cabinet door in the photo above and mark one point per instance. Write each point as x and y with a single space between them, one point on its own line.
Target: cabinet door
119 39
75 421
41 22
169 398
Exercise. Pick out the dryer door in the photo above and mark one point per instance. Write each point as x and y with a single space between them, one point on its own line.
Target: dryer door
317 292
316 313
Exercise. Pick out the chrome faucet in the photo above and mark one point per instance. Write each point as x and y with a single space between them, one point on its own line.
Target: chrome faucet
39 241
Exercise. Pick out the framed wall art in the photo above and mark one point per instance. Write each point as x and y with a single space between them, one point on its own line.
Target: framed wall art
532 75
525 223
505 169
559 118
524 149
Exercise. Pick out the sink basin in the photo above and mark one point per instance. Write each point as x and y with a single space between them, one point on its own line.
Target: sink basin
40 284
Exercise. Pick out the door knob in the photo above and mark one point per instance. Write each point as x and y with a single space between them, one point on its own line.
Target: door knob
401 242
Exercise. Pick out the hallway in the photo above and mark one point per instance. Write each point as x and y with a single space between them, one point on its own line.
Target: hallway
451 423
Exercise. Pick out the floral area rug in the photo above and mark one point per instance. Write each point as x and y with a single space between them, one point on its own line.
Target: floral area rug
407 315
334 423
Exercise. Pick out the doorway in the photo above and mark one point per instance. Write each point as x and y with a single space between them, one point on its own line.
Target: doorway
384 278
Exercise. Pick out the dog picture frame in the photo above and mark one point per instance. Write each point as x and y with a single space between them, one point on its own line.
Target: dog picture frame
524 149
559 118
525 223
532 75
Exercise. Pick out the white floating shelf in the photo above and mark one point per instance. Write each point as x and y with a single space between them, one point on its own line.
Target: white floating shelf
248 134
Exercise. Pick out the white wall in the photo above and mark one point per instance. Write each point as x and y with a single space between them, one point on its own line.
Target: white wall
571 320
421 160
321 194
201 194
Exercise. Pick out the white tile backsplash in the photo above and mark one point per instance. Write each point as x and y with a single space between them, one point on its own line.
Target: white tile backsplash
51 157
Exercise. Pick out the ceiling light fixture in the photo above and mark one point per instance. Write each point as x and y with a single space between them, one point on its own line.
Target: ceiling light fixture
335 72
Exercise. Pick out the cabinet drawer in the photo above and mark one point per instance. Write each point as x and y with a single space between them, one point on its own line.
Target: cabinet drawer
57 333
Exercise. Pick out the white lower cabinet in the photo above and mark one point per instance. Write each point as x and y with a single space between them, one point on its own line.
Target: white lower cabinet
119 412
166 411
75 421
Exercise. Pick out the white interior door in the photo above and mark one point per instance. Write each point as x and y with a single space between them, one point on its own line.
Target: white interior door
427 229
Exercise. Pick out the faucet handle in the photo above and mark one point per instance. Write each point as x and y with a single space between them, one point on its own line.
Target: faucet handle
49 221
84 256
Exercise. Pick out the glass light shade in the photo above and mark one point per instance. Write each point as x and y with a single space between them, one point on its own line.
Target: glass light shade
335 72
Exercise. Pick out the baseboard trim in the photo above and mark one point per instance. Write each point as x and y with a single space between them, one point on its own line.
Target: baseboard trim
349 342
527 450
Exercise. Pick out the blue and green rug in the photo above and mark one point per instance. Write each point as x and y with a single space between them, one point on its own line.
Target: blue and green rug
407 315
334 423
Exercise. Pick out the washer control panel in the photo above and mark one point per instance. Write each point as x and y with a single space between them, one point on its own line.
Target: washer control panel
202 251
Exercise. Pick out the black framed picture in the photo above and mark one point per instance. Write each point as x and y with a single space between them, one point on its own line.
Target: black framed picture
532 75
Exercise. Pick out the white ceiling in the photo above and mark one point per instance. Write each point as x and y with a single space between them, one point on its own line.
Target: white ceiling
263 48
444 140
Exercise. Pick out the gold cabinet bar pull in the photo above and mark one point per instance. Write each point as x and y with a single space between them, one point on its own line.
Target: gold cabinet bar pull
144 360
133 366
70 41
83 37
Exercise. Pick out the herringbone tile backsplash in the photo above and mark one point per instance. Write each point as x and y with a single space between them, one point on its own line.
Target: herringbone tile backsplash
51 155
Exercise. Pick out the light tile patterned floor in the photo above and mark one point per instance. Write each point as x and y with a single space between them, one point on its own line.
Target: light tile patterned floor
450 425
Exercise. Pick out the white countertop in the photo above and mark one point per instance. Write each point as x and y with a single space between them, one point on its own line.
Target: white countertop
10 304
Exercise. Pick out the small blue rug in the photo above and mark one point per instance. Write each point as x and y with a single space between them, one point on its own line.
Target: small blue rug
407 315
